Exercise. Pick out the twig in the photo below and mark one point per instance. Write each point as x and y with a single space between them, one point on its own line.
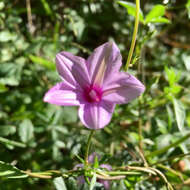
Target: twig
169 186
141 153
110 177
176 44
29 16
172 171
85 50
143 169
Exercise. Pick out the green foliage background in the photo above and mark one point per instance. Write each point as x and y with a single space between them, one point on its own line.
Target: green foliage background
37 136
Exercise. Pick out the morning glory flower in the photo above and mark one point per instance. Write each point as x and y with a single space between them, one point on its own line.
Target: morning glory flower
91 160
95 85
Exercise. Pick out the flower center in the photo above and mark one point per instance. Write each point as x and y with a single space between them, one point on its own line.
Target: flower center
93 93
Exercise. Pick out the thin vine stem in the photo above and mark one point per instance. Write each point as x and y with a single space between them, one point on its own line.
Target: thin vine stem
88 147
134 35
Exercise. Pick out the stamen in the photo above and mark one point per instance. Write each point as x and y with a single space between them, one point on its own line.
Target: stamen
93 94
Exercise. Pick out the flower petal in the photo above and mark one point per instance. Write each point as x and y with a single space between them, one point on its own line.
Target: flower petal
105 60
72 69
80 180
97 115
105 183
122 88
63 95
92 157
106 166
78 166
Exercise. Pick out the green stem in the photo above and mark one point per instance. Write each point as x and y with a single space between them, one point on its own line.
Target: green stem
165 149
134 35
88 147
171 158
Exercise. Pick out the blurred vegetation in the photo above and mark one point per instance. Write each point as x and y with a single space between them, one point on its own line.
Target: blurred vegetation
37 136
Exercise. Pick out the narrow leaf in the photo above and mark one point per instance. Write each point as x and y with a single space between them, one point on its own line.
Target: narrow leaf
131 9
96 163
26 131
186 60
179 113
6 130
3 88
12 143
160 20
59 183
188 8
41 61
47 7
9 171
166 148
93 182
156 12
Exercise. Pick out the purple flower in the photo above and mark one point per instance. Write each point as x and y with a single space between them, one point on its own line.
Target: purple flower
91 160
95 84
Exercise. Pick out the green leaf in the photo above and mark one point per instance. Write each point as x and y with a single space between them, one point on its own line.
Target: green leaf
179 114
131 9
59 183
72 184
96 163
12 143
9 171
6 130
26 131
80 158
11 73
186 60
170 116
162 126
172 76
160 20
44 62
163 140
6 36
47 7
69 114
3 88
188 8
2 5
166 148
157 11
93 182
155 15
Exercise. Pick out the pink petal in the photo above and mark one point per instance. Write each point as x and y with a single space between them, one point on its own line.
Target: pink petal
106 166
78 166
105 60
96 115
122 88
80 180
105 183
92 157
72 69
63 95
